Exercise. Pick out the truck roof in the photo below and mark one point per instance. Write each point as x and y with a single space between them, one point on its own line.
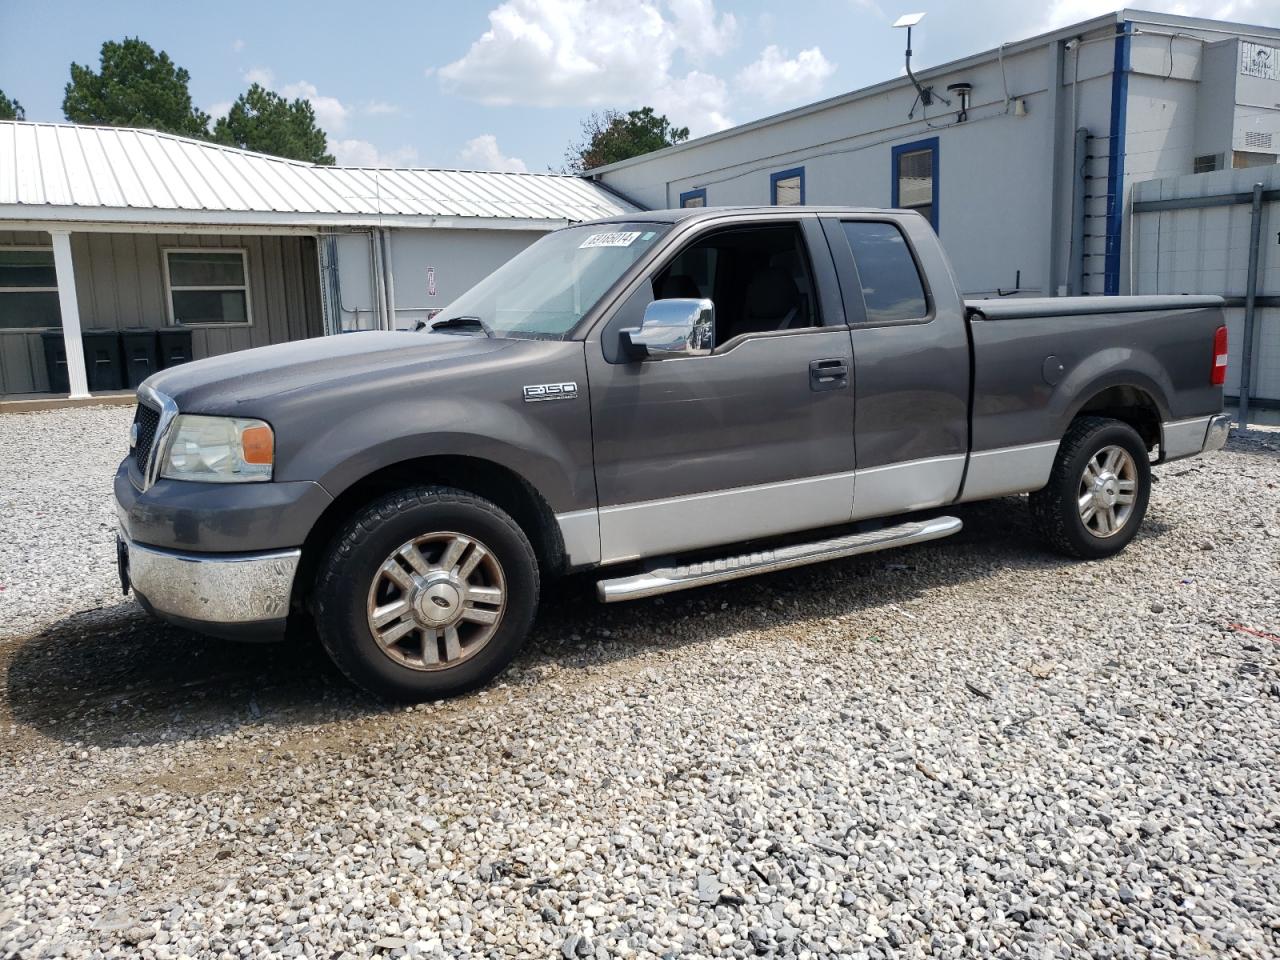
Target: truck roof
692 213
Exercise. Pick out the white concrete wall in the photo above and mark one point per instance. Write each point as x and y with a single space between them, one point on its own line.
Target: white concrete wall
1206 251
1005 183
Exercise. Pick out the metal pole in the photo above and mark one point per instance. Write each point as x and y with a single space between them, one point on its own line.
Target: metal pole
1250 302
1080 186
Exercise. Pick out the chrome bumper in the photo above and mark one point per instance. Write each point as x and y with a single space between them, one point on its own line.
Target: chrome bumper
225 592
1215 438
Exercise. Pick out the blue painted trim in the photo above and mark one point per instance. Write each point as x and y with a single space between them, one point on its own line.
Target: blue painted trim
1115 159
699 194
930 144
783 175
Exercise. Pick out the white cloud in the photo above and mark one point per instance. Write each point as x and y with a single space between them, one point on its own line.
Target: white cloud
605 53
237 45
331 113
362 153
380 107
262 76
482 153
777 78
220 109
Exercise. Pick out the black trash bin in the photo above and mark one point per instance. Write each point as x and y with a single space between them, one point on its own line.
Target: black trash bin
175 346
102 360
141 354
55 361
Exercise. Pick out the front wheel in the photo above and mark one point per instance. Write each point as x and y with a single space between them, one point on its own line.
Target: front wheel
427 593
1097 493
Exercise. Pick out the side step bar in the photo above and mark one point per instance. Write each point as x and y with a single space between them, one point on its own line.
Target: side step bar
661 580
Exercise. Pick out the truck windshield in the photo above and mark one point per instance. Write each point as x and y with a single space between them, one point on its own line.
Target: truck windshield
544 291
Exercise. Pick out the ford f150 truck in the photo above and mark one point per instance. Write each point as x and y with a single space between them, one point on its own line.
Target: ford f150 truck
670 399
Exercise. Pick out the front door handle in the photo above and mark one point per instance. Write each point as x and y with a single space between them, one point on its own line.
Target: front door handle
832 374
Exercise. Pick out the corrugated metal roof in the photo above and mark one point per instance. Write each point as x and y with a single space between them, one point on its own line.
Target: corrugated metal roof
52 171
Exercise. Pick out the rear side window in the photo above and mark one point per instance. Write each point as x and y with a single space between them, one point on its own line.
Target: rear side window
891 285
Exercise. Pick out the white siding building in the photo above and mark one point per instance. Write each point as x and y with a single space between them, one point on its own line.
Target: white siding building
1030 187
110 230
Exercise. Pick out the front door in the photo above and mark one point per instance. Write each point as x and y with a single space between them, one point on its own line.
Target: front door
753 440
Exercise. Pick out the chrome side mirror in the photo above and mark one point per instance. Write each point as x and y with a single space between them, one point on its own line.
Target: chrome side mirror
682 327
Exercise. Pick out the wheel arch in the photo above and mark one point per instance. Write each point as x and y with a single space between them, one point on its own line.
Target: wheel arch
1129 404
484 478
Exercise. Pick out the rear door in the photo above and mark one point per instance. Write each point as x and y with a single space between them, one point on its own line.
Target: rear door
752 440
911 350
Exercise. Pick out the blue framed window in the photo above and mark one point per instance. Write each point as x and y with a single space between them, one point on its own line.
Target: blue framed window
914 175
694 198
786 187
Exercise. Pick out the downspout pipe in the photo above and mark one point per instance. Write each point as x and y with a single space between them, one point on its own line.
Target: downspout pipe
1250 307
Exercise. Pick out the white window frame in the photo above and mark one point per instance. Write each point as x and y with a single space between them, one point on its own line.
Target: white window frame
54 290
169 288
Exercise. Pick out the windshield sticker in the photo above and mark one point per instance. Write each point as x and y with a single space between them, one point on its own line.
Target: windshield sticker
625 239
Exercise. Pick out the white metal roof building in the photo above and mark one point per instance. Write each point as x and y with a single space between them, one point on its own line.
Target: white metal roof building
111 228
112 174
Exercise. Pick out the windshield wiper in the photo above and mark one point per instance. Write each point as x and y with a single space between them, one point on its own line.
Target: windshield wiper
462 323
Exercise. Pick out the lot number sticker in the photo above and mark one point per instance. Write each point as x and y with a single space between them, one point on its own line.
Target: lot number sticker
624 239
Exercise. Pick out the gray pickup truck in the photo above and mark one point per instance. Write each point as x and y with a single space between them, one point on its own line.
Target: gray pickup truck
670 399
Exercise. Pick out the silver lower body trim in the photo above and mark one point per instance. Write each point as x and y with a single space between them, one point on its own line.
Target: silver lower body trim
213 588
1215 438
1008 470
656 527
651 583
1183 438
580 531
903 487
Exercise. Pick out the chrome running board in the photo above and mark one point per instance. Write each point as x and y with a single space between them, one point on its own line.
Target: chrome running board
660 580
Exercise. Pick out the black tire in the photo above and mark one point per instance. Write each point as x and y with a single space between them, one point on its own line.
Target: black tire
352 563
1055 511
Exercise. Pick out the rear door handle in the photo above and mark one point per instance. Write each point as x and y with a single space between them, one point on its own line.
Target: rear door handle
831 374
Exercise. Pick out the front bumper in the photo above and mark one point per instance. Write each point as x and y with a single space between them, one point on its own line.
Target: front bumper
242 595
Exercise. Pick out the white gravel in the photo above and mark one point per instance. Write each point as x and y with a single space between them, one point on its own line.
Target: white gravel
966 748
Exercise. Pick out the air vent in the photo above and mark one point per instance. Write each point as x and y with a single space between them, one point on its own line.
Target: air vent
1207 163
1257 139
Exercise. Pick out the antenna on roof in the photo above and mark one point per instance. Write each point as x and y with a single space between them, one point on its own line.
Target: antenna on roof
924 95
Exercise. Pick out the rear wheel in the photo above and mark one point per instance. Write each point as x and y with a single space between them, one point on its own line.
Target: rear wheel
1097 493
427 593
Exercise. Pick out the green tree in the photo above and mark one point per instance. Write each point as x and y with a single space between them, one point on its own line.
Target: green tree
134 87
11 109
612 136
263 120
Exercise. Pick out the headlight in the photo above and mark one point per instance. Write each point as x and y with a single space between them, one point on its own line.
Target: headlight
218 450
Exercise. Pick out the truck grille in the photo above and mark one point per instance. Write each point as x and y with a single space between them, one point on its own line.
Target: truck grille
146 420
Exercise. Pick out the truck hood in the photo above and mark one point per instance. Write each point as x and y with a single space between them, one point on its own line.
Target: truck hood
233 383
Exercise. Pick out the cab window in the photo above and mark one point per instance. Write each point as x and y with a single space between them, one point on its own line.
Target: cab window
891 286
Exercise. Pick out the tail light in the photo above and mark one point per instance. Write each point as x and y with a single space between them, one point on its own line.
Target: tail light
1219 375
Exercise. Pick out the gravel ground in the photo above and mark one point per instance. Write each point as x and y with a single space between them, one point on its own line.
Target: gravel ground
964 748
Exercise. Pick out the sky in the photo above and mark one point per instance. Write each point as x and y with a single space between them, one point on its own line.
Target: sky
480 84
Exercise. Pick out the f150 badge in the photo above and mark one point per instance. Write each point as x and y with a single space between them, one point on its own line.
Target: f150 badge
550 391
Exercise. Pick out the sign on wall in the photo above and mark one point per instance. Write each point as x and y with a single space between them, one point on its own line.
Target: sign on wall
431 281
1259 61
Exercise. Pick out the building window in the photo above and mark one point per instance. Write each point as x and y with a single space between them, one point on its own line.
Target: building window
1207 163
694 198
207 286
891 286
915 178
28 289
786 187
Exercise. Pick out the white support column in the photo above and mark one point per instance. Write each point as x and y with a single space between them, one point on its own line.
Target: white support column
70 308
